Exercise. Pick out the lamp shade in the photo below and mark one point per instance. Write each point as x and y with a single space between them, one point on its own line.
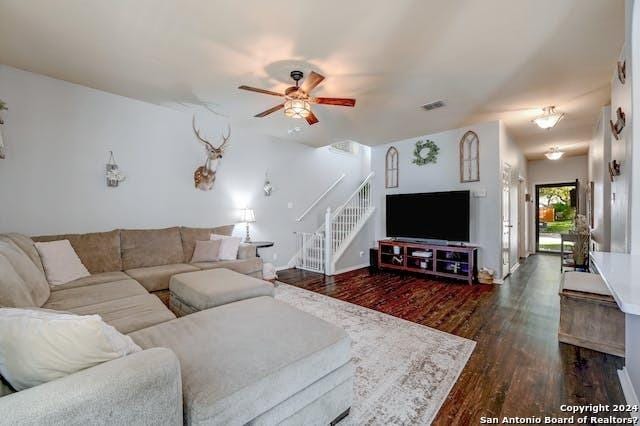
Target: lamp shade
549 118
247 216
297 108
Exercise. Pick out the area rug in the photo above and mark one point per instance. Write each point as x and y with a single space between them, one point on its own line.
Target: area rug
404 370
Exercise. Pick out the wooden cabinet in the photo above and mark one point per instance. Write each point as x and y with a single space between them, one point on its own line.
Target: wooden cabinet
459 262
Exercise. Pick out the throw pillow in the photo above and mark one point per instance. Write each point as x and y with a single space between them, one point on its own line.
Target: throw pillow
228 246
60 261
40 345
206 251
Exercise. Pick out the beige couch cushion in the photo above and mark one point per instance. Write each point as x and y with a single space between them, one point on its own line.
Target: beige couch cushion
104 277
64 300
150 247
214 287
26 245
129 314
98 251
241 359
249 266
189 237
22 283
156 278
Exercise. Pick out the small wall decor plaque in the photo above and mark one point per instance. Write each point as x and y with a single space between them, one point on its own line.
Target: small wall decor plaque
425 152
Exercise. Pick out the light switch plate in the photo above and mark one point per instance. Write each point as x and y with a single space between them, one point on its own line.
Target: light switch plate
481 193
290 205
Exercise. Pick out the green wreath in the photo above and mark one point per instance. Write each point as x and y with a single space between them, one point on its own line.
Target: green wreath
432 154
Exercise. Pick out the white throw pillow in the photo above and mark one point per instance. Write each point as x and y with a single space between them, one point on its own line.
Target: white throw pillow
60 261
206 251
228 246
40 345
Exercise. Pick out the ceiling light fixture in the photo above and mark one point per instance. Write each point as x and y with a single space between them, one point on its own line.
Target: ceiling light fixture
554 153
297 108
549 118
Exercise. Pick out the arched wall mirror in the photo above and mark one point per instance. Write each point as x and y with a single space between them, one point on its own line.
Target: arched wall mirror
391 168
469 157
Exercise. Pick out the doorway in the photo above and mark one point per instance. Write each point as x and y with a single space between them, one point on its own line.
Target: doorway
556 208
506 220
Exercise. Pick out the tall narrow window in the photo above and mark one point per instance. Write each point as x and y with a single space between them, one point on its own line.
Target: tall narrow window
469 157
391 168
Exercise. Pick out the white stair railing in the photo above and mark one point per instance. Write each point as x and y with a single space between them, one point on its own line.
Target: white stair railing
320 250
324 194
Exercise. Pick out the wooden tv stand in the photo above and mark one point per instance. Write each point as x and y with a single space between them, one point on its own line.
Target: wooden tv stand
458 262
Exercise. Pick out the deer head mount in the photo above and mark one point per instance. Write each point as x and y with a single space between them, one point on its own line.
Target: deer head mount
205 175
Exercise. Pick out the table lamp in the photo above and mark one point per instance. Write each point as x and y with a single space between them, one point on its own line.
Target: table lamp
247 217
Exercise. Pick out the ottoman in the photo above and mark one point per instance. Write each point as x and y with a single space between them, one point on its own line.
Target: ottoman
196 291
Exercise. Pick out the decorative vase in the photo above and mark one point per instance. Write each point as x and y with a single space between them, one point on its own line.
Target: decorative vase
580 249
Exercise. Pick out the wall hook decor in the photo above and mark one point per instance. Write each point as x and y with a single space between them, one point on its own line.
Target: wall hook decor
619 124
622 71
114 175
3 107
614 169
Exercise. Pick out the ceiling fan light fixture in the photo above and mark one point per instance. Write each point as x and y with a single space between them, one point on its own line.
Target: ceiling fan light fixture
549 118
554 153
297 108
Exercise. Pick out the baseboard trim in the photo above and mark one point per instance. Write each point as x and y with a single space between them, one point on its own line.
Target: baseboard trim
627 387
283 267
351 268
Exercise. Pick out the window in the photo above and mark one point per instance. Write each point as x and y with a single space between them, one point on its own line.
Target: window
469 161
391 168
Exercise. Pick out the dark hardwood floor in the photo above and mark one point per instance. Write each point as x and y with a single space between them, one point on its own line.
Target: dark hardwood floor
518 368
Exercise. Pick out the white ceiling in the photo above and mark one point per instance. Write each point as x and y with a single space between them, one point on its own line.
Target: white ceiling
489 59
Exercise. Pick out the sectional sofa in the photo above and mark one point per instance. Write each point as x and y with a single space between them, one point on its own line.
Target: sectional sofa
256 361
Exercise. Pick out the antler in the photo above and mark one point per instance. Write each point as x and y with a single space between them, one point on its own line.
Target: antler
225 139
210 146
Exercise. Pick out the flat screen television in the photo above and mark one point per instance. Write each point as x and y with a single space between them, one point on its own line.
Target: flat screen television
429 216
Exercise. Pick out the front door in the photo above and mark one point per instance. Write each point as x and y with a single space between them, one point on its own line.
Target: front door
556 206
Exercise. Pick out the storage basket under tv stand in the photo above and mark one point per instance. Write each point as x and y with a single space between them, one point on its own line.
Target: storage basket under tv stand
458 262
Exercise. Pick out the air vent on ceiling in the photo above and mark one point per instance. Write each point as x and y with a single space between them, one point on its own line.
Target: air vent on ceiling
433 105
346 146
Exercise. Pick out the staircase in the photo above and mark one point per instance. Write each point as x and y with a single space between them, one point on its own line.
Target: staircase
319 251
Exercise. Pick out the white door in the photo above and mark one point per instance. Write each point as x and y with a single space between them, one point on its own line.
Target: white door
506 220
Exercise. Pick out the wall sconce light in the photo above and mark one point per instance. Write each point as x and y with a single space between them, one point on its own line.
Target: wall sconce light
267 188
114 175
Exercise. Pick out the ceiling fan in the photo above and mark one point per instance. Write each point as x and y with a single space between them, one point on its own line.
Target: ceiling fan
298 100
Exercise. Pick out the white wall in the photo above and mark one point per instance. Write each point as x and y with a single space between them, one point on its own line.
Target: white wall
444 176
567 169
599 157
57 138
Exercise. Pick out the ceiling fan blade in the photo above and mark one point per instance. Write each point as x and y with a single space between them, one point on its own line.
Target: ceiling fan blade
255 89
311 118
311 82
270 110
335 101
